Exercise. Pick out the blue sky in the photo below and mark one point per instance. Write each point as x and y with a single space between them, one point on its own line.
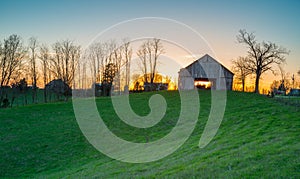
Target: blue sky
217 21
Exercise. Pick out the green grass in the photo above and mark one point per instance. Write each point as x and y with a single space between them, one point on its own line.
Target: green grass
289 100
258 137
26 98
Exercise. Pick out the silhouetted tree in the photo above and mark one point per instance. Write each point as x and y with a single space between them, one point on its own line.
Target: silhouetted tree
241 70
45 57
148 54
65 61
95 55
11 55
108 77
33 45
142 54
285 79
100 55
261 56
157 51
127 56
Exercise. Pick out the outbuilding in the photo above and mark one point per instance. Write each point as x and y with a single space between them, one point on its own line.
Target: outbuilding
205 73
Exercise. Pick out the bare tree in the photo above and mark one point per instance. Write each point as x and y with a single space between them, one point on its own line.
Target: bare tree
241 70
117 60
274 86
262 56
84 76
158 49
142 54
45 57
102 55
12 54
293 81
282 72
285 78
65 61
56 61
148 54
127 50
75 56
33 46
95 56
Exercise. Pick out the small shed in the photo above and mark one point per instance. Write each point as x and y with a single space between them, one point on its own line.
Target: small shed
205 73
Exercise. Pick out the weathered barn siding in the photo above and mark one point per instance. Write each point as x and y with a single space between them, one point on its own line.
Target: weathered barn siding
205 67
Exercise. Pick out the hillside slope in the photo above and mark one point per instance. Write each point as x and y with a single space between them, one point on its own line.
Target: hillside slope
258 137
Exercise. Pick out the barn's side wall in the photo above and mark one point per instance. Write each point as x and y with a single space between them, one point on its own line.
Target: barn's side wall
185 80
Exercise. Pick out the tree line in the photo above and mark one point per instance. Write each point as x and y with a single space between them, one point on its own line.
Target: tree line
102 63
110 63
36 61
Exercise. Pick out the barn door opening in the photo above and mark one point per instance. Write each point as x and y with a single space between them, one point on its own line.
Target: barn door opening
203 83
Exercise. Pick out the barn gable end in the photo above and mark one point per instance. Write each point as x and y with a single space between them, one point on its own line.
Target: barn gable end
208 69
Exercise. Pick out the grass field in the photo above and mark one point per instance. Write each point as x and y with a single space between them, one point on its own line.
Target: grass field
17 99
289 100
258 137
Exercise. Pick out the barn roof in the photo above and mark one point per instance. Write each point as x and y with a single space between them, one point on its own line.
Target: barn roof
208 56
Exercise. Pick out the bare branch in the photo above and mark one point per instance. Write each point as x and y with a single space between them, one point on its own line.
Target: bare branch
262 56
149 53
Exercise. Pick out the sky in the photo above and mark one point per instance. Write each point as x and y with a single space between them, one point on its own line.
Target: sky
217 21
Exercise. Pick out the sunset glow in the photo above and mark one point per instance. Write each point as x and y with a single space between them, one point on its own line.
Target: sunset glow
205 84
217 22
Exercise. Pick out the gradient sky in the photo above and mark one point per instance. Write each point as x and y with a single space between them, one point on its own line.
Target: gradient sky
217 21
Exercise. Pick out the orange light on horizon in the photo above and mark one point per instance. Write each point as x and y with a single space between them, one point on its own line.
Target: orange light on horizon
171 87
205 84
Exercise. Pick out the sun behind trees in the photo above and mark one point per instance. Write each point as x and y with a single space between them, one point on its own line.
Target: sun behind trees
110 63
148 54
241 71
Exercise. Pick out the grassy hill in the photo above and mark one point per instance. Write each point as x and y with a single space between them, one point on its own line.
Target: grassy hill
258 137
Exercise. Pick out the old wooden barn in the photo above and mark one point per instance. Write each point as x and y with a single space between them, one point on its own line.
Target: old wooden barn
205 73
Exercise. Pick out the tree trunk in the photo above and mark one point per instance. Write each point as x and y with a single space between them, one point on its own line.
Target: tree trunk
243 85
257 83
45 95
